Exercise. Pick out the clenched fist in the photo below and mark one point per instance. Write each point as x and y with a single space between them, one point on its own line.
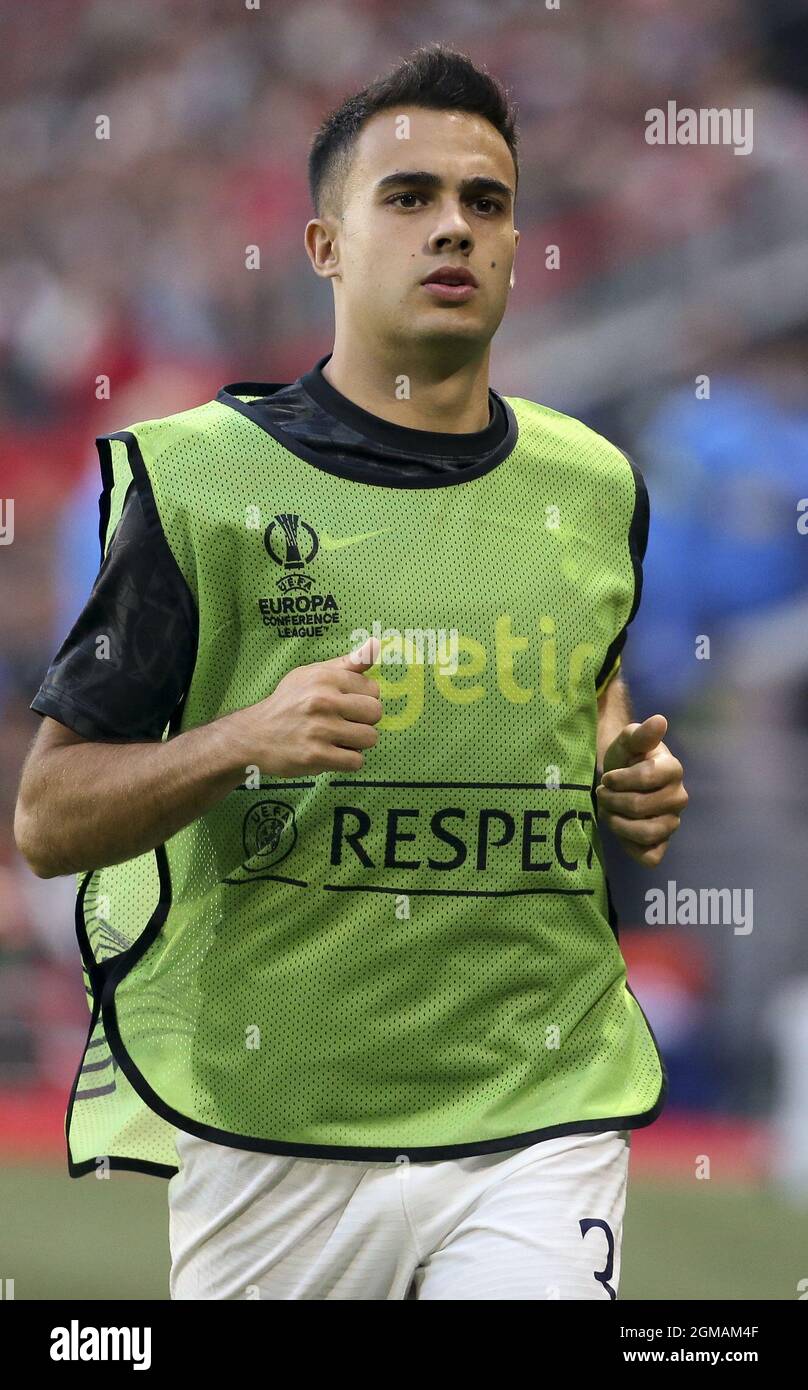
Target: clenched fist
318 718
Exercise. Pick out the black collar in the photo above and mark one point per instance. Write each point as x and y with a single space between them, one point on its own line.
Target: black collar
485 448
401 437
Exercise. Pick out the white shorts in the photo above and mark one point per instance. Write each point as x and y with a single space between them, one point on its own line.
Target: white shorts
540 1222
545 1221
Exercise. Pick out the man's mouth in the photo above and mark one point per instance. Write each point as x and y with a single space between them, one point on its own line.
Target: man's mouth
451 284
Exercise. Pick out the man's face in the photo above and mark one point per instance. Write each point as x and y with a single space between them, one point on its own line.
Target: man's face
426 190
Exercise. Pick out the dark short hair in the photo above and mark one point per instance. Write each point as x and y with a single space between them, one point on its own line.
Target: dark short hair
434 77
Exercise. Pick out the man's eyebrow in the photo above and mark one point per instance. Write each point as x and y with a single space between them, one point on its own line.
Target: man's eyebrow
422 178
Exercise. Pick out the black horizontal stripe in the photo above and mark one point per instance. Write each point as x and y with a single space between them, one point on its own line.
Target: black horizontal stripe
454 892
97 1066
259 877
482 786
96 1091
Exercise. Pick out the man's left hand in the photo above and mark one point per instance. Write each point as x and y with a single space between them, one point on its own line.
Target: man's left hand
641 794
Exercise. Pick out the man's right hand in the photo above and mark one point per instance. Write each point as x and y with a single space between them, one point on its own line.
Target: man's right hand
318 718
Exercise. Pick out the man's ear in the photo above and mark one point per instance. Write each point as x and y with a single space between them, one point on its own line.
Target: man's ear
319 241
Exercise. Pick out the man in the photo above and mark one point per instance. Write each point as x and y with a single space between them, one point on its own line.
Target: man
353 964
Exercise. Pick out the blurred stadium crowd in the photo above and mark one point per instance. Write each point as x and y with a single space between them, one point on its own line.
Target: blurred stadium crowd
125 258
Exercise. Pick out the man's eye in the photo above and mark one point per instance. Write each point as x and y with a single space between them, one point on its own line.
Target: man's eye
493 204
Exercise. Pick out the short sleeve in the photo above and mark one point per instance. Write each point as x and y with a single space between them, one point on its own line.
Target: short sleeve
127 662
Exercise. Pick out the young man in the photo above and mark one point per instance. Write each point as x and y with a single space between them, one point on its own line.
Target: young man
352 959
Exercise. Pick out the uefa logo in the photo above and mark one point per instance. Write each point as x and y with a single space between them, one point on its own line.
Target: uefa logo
269 834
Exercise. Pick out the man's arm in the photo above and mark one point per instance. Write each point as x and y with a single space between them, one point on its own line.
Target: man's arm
640 792
614 712
84 804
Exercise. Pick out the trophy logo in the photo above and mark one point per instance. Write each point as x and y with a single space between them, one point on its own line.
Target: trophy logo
293 544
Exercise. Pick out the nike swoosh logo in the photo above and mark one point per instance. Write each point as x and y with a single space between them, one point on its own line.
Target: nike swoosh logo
337 542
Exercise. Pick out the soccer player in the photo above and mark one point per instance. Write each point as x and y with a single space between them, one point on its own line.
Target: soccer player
351 957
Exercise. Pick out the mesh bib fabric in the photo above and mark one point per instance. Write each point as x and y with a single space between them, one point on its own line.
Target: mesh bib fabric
419 958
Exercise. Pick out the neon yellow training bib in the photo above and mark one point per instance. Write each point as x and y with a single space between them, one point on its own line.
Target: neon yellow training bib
419 958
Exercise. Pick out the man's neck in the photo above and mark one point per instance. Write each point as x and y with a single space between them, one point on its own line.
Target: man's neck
409 394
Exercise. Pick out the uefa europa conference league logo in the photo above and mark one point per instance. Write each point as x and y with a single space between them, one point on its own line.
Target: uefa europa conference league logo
299 612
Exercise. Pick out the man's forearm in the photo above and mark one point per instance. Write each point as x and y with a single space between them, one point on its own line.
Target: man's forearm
614 712
85 806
